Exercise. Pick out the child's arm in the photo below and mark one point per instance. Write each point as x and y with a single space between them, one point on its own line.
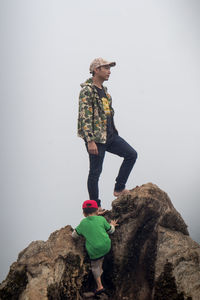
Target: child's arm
75 234
77 231
113 224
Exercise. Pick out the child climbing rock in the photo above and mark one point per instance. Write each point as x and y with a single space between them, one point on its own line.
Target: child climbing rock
95 229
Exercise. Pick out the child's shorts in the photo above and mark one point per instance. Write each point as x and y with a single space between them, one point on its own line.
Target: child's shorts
97 267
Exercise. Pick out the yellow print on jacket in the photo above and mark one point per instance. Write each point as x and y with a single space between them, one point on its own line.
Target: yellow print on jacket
106 105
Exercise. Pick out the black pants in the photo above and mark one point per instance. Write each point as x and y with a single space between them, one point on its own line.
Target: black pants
117 146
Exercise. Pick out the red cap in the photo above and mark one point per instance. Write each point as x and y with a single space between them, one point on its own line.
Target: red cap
90 203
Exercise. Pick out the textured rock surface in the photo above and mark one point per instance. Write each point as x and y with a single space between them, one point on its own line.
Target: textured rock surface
152 257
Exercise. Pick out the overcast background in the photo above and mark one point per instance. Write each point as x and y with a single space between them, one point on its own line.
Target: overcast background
46 47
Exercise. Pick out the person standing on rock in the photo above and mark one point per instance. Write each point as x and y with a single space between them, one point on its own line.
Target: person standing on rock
95 230
96 127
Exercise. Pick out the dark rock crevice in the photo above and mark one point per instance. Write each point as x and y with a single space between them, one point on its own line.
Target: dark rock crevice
141 251
17 280
165 286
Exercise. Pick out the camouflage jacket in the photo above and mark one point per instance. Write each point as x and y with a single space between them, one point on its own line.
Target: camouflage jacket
92 120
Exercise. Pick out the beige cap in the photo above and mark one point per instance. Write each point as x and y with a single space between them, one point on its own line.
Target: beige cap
99 62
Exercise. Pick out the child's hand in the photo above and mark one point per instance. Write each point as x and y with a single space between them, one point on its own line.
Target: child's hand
114 223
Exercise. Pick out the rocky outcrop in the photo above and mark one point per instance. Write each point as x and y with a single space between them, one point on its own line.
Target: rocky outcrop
152 257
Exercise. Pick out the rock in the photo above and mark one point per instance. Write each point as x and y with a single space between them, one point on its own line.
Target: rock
91 296
152 257
88 295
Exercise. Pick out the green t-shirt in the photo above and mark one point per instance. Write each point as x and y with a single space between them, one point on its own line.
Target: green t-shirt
94 229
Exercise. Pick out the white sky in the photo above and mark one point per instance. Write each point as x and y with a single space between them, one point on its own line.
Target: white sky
46 47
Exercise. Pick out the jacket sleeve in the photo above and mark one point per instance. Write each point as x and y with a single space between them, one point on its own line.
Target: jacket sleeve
85 119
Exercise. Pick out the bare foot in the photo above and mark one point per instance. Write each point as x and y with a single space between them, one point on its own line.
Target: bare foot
123 192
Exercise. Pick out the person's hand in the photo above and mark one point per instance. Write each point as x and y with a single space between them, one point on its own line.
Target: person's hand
92 148
114 223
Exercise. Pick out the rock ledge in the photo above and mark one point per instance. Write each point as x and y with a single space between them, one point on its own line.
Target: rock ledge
152 257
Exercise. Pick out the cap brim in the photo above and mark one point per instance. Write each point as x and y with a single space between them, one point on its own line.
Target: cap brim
111 64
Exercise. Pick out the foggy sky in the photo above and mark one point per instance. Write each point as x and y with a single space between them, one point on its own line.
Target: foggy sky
46 48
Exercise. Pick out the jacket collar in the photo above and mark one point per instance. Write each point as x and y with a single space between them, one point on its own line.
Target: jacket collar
89 82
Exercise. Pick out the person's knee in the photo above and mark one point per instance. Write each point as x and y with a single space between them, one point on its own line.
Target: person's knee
132 156
135 155
96 270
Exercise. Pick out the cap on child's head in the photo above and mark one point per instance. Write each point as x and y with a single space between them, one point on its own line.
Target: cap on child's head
89 203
